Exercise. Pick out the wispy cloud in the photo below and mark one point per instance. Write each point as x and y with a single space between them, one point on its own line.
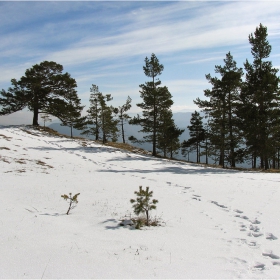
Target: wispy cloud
106 42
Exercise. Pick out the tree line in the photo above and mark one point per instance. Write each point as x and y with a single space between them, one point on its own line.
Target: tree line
240 120
242 111
46 91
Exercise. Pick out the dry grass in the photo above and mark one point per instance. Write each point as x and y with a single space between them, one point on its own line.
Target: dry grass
21 161
5 137
141 221
39 162
4 159
30 132
20 170
130 148
4 148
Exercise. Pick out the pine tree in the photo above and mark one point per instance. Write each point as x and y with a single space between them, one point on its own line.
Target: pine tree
260 100
123 117
168 134
101 116
222 109
196 131
155 99
71 114
42 87
143 203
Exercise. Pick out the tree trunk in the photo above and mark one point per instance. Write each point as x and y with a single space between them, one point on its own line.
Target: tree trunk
122 132
35 116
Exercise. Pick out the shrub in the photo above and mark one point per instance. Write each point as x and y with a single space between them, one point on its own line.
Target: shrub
72 201
143 203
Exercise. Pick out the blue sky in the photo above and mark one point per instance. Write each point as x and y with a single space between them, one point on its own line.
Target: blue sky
105 43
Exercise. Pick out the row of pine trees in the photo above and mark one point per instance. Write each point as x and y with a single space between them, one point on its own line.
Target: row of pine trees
242 111
239 120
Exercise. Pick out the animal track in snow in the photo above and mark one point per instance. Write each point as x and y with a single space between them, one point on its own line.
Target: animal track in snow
220 205
270 236
258 266
255 222
254 228
242 217
252 244
196 197
270 254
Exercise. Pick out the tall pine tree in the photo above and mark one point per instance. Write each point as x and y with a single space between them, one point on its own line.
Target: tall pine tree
221 108
155 99
260 100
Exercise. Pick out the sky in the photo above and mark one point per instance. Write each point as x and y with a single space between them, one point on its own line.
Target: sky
105 43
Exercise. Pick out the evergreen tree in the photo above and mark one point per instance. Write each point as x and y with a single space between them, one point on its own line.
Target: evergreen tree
224 95
260 100
196 134
123 117
155 99
43 87
71 115
101 116
144 203
168 134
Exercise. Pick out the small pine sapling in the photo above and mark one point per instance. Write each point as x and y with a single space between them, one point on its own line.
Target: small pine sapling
72 200
143 202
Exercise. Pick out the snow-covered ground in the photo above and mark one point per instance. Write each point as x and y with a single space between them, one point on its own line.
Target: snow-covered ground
217 223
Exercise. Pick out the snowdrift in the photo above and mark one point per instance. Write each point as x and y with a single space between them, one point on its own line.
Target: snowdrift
216 223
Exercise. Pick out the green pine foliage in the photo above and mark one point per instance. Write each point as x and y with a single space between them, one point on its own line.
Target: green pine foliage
100 119
197 134
221 109
43 89
168 134
144 203
260 97
155 99
73 201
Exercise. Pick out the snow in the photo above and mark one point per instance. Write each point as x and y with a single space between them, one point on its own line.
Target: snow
216 223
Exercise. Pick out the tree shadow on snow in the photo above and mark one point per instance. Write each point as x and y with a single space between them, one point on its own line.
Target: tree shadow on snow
116 225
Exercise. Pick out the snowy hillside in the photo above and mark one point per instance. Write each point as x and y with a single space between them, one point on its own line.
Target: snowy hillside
217 223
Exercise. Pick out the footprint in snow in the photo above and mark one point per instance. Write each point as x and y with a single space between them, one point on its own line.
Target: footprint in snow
253 244
238 211
243 228
220 205
242 217
258 266
255 221
255 234
254 228
270 236
268 253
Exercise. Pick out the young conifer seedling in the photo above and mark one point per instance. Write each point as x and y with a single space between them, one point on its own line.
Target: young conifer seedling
143 202
72 201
